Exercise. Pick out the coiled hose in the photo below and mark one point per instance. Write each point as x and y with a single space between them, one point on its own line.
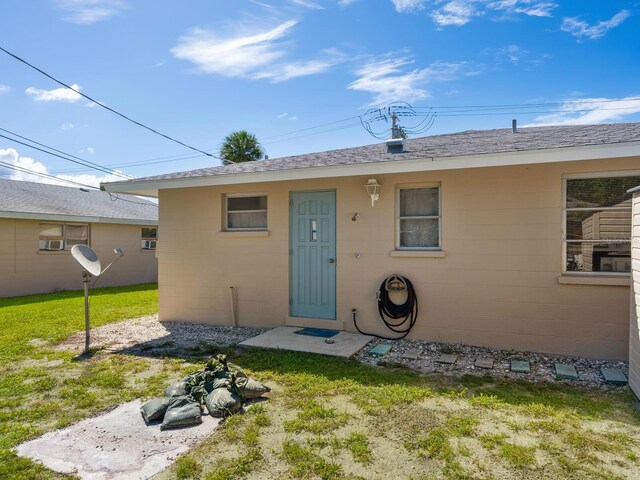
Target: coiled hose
397 318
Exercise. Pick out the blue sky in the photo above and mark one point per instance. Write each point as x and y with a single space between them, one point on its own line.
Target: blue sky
198 70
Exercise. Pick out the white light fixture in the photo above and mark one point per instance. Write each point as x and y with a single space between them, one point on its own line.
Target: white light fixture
373 190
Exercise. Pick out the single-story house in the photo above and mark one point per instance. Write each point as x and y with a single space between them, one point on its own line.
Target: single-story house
634 328
39 223
513 238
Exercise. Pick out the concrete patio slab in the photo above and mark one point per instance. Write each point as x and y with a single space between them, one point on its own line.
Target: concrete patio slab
115 446
484 362
411 354
447 358
345 344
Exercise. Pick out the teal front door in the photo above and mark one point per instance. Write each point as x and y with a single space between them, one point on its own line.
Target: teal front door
313 254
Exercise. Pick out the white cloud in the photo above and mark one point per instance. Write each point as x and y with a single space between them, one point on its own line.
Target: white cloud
86 12
62 94
12 157
4 88
346 3
588 111
256 54
534 8
406 6
67 126
455 13
232 56
580 29
307 4
388 80
282 115
89 150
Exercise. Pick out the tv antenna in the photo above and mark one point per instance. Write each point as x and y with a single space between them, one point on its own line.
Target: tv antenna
90 263
394 114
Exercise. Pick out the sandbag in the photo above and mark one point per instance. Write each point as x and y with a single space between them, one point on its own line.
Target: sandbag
177 389
154 409
182 412
222 402
236 370
217 383
249 388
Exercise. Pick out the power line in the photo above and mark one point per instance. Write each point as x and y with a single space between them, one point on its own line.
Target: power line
83 162
44 175
105 106
543 104
56 155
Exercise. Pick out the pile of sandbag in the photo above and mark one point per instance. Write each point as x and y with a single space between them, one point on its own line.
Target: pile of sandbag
220 386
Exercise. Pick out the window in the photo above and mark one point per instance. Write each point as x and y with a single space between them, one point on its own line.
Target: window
418 218
149 238
56 236
597 224
246 212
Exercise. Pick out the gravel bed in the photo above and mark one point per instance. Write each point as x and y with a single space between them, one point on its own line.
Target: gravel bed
148 336
542 365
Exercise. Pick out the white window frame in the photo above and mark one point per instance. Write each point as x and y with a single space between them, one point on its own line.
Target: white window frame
152 241
63 239
565 242
437 185
244 195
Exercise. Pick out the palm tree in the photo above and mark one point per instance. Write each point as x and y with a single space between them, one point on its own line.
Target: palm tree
240 146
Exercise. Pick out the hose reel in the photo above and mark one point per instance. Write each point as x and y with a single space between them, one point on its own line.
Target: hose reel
399 318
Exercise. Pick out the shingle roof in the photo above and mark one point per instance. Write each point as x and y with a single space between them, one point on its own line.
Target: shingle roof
39 198
471 142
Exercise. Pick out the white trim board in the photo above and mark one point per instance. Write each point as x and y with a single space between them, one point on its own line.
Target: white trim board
528 157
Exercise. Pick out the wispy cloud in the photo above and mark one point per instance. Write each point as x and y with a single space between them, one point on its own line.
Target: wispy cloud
86 12
533 8
587 111
392 79
456 13
407 6
67 126
4 88
12 157
307 4
581 29
56 95
346 3
255 53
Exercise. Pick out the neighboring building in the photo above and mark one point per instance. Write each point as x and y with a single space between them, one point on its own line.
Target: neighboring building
496 229
39 223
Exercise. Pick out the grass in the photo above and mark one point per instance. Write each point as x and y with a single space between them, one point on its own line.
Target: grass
326 418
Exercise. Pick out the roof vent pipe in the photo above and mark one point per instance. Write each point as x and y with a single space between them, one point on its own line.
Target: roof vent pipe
395 145
514 126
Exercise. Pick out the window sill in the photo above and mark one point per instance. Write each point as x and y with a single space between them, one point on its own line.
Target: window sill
243 233
615 281
54 252
418 253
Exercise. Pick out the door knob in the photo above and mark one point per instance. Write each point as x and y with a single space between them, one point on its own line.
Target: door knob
331 260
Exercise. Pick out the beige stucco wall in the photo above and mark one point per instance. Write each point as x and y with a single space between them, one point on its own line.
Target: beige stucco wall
634 329
496 286
25 270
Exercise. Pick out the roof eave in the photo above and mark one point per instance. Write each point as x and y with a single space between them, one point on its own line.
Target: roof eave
77 218
526 157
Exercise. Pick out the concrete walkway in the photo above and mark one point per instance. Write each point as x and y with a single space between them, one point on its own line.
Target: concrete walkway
115 446
345 344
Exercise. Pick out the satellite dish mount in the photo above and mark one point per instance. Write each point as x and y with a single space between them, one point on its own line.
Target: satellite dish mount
90 263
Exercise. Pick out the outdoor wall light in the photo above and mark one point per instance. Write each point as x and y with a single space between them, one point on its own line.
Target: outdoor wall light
373 190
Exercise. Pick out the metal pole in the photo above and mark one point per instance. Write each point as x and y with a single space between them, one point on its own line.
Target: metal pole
86 280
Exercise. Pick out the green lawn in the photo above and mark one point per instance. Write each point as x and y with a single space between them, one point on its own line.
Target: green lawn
326 418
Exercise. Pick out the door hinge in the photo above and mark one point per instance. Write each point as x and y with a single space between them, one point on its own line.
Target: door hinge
291 301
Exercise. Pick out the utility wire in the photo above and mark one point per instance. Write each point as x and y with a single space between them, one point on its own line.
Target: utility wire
83 162
56 155
44 175
105 106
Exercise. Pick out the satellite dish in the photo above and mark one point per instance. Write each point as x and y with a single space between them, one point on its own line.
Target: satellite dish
87 258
